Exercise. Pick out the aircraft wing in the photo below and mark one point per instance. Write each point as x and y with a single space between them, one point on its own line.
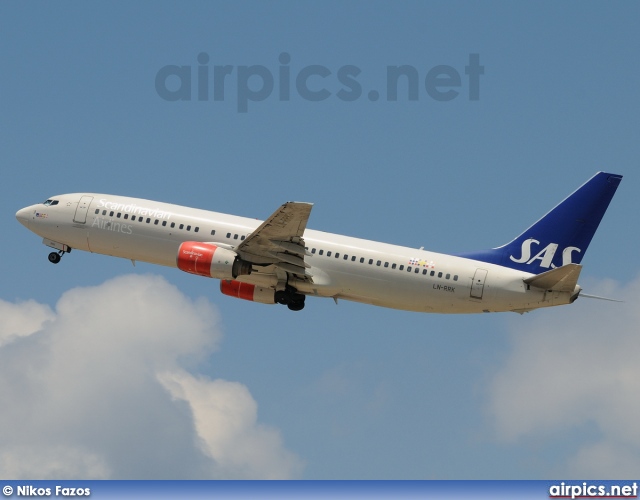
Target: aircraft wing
279 240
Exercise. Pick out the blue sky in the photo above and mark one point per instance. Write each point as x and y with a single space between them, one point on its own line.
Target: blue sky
346 391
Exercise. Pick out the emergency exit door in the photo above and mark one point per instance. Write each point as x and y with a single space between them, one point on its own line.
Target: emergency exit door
477 287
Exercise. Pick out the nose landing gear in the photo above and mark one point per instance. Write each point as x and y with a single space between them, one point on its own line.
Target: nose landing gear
54 257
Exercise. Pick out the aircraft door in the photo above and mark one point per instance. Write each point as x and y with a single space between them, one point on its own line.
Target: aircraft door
81 212
477 287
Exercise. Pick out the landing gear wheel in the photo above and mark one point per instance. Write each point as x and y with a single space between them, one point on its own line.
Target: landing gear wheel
282 297
296 306
54 257
297 302
290 297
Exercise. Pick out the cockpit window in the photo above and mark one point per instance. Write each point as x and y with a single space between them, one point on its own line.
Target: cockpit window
50 202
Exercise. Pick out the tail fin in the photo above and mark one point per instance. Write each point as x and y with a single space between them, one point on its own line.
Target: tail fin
562 236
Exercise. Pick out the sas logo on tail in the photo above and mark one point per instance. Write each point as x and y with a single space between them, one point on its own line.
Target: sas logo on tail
545 256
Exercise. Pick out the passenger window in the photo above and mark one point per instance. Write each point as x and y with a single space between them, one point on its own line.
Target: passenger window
433 273
118 215
455 277
447 276
196 229
439 275
378 263
242 237
353 258
408 269
401 268
346 257
417 270
361 260
111 213
173 224
337 255
213 231
370 261
104 212
228 235
164 223
386 264
181 226
425 272
126 216
156 222
329 253
393 266
148 220
313 250
235 236
320 252
188 228
97 211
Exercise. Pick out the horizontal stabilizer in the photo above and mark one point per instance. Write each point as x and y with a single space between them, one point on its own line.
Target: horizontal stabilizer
560 279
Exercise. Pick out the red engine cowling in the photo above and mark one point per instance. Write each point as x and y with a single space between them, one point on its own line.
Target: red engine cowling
205 259
247 291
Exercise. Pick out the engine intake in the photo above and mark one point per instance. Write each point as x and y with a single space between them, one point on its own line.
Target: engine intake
205 259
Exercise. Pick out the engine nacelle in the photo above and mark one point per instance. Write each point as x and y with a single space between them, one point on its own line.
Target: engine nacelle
247 291
205 259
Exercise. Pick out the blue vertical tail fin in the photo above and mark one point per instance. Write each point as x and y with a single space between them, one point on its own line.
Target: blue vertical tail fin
560 237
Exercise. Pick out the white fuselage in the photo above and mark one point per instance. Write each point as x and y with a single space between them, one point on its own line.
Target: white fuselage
342 267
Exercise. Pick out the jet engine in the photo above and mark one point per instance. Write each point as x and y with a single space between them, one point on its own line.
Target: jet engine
247 291
205 259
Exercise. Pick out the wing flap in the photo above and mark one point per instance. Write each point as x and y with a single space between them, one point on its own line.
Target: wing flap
288 221
295 248
290 268
290 258
560 279
278 240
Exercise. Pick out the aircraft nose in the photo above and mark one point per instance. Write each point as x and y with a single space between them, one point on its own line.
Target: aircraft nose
23 216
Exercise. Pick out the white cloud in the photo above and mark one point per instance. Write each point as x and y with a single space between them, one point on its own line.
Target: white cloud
21 319
577 367
52 462
607 458
225 417
82 396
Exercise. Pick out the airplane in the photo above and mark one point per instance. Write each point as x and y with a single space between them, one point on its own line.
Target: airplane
280 261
